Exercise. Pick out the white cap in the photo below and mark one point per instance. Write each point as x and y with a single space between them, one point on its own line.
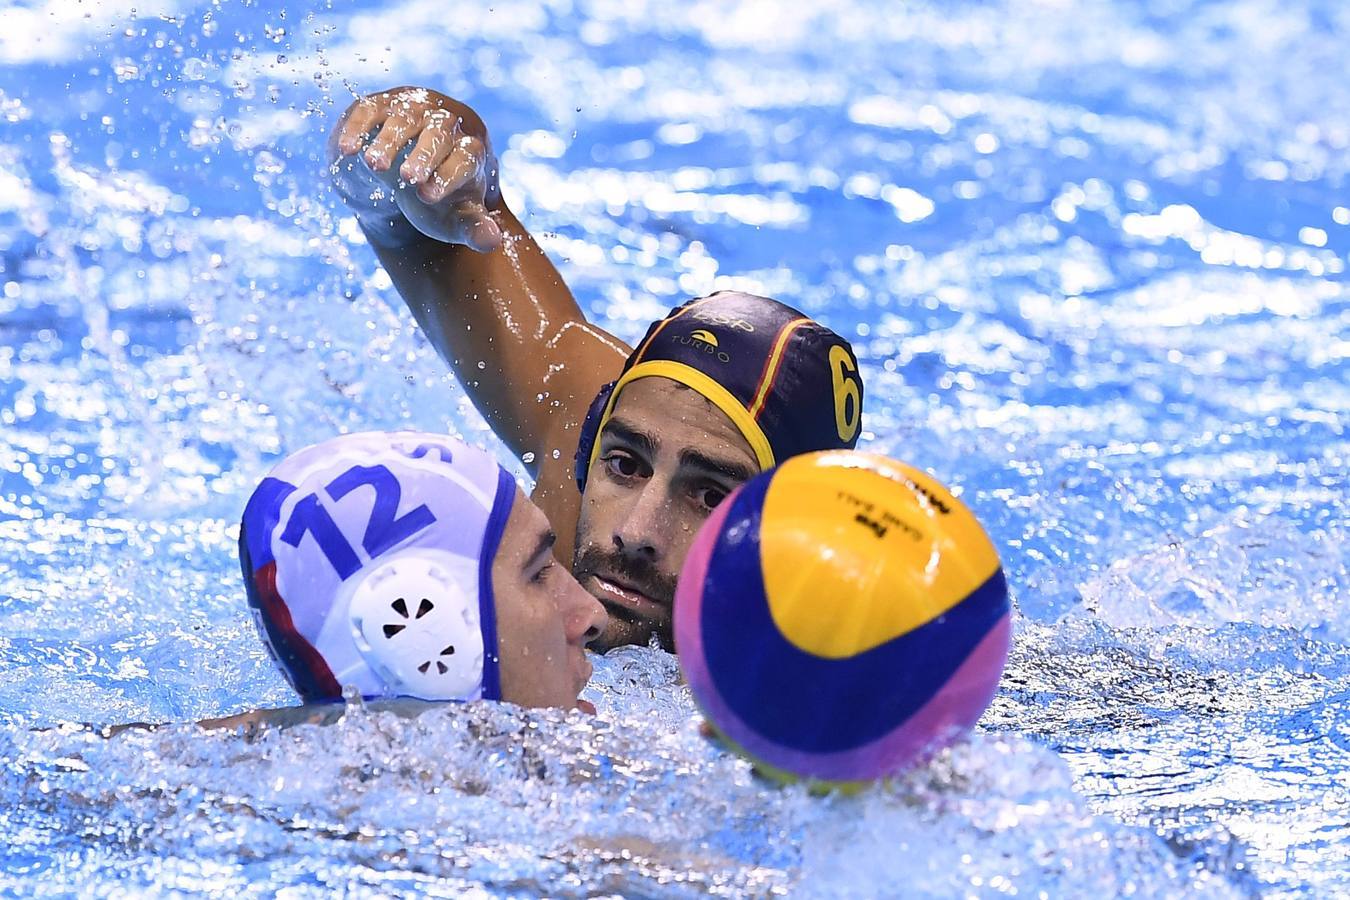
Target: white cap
368 560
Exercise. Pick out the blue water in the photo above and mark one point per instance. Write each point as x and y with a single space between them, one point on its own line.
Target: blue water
1092 256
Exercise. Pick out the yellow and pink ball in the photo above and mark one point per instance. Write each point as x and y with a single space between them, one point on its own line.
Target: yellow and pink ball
840 617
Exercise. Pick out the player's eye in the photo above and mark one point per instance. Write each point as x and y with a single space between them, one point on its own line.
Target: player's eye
543 574
621 464
710 495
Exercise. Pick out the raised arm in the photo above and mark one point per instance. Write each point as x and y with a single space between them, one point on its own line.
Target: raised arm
418 170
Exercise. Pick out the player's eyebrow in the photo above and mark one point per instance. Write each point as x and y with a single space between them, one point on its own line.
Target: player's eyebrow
730 469
542 547
638 439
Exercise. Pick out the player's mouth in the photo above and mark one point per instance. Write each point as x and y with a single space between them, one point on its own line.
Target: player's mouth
624 599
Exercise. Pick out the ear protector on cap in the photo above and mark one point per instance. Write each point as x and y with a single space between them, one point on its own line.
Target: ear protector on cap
417 626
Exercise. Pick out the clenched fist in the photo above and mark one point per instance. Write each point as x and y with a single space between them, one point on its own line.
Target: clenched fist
412 158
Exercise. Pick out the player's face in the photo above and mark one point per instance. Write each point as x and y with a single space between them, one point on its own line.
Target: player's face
544 618
667 456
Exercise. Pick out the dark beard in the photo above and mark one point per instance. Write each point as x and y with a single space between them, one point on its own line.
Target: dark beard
637 573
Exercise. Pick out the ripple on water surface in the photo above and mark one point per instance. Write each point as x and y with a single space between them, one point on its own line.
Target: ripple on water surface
535 803
1092 260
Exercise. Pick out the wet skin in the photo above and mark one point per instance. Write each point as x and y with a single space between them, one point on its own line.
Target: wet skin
498 312
485 294
667 457
544 618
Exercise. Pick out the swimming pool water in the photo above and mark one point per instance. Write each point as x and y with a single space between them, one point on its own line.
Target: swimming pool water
1092 257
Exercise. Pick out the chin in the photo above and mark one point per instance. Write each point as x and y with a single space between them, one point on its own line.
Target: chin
619 634
607 642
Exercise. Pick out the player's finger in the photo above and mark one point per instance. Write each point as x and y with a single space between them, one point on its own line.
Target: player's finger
458 170
397 130
434 146
364 115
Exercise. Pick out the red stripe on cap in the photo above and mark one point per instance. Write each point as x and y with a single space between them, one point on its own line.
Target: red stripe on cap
294 648
772 365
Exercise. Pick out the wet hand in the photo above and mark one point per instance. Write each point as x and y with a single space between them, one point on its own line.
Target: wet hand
431 153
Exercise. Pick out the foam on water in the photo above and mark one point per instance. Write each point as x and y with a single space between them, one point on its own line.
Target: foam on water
534 803
1092 259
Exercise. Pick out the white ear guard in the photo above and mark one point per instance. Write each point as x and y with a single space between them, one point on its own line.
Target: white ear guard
416 624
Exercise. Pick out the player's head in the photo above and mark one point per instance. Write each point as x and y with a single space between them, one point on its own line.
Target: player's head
722 388
411 565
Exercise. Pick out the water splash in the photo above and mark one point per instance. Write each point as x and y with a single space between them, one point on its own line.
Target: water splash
544 803
1117 332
